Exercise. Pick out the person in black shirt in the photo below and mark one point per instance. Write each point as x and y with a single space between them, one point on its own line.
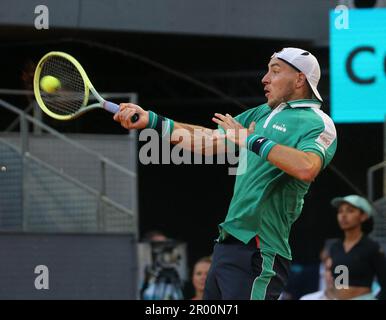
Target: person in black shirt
363 257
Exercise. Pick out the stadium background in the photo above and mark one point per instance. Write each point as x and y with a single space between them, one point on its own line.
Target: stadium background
188 201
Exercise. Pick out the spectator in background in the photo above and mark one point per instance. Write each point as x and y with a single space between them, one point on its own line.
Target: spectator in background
200 271
327 289
362 256
155 236
27 76
325 263
309 279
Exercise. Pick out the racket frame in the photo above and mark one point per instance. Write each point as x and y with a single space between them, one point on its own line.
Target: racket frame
102 103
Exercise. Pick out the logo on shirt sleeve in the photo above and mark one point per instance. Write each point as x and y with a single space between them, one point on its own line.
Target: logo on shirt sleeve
325 139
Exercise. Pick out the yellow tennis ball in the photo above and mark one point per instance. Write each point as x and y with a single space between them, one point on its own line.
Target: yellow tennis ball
50 84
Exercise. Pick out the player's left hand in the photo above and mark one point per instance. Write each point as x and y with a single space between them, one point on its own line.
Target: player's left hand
234 131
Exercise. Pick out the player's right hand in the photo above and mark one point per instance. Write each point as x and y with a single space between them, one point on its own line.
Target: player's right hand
126 111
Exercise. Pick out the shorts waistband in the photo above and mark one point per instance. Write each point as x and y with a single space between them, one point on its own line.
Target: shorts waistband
254 242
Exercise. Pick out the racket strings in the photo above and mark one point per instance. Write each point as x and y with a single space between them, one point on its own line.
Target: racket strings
70 97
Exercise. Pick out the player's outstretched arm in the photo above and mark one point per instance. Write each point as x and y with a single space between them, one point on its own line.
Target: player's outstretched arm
198 139
192 137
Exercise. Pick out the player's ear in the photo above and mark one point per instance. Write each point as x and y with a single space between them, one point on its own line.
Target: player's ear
301 80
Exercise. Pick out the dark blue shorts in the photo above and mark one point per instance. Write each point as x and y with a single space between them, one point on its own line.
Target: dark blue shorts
243 272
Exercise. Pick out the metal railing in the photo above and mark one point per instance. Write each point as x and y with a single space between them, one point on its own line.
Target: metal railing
104 162
370 179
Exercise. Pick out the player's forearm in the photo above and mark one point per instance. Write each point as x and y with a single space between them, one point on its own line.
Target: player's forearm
188 127
192 137
195 138
301 165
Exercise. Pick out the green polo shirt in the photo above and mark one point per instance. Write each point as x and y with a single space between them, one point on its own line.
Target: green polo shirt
267 201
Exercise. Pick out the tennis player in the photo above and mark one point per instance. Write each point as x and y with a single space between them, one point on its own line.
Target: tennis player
285 142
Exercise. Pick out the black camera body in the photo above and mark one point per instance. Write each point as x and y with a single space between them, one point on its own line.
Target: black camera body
162 275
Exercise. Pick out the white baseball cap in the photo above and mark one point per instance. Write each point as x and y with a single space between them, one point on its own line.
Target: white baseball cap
304 62
356 201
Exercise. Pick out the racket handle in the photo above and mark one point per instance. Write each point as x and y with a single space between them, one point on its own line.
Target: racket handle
110 106
114 108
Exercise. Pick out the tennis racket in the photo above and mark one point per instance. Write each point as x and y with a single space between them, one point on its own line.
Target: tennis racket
70 98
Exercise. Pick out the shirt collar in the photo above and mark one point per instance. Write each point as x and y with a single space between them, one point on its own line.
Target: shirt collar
305 103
